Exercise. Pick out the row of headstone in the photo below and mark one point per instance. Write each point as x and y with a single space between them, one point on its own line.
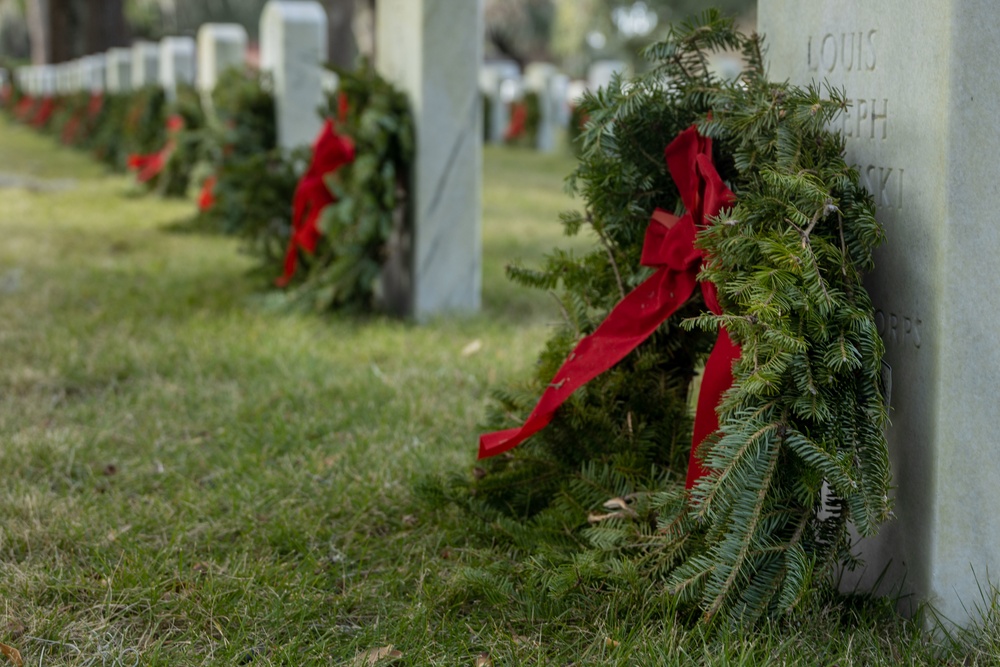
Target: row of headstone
430 49
167 63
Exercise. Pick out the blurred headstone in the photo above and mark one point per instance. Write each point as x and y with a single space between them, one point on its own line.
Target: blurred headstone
119 70
145 64
292 49
600 72
220 46
94 68
541 79
499 82
177 64
432 50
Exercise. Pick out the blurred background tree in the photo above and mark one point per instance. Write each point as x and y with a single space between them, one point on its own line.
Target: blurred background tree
570 33
574 33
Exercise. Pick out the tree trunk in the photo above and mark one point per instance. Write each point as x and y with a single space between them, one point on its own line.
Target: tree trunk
106 26
62 30
39 30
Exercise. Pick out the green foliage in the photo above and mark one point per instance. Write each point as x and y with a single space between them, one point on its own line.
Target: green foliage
254 181
108 141
800 452
175 178
371 195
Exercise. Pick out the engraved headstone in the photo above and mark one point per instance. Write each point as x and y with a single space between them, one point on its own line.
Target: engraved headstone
119 70
292 49
921 131
499 82
600 72
177 63
145 64
220 46
431 49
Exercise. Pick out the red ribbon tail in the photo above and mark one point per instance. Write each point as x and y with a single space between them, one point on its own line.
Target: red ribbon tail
715 381
631 322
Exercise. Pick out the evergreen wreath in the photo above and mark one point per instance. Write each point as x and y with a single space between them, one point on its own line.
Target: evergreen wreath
370 195
800 451
251 181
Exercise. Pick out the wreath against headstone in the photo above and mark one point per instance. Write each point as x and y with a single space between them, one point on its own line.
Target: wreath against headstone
732 237
352 194
168 170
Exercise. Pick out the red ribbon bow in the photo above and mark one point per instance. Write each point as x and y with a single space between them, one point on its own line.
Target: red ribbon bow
330 152
669 248
150 165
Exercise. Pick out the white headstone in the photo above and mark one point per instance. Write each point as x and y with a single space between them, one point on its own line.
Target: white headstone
600 72
921 129
119 70
220 46
94 69
177 64
499 81
145 64
48 79
432 49
62 79
292 49
543 79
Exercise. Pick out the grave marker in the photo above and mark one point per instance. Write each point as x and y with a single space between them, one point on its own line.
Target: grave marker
145 64
220 46
600 72
921 130
119 70
177 62
543 79
500 82
293 48
432 49
94 68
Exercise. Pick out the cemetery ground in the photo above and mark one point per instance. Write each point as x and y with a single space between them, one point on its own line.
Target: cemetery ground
192 475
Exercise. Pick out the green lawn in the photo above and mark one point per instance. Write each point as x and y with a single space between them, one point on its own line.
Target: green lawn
188 477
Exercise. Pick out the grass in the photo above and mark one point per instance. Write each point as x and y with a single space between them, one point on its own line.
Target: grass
189 478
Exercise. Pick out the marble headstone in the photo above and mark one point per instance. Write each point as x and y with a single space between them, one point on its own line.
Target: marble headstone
220 46
431 49
921 130
292 49
499 81
145 64
177 64
119 70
